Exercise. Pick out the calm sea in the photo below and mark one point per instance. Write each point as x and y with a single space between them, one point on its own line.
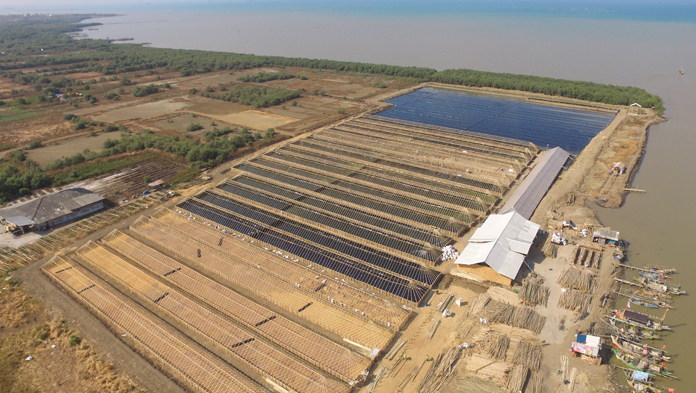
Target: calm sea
636 43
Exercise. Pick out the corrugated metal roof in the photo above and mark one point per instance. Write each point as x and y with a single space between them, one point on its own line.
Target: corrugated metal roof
20 221
605 233
502 242
532 190
52 206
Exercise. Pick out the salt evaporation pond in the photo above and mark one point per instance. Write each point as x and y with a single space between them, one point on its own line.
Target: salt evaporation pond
545 126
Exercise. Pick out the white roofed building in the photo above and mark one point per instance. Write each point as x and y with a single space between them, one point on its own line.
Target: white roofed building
500 245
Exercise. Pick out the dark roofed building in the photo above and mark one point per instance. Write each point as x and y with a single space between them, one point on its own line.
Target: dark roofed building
54 209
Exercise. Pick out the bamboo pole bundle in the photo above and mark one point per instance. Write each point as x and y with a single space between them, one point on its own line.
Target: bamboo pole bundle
378 377
414 371
574 278
441 371
488 369
467 326
395 349
477 385
571 380
517 378
504 296
478 304
535 385
429 335
528 354
522 317
498 346
574 300
445 303
533 292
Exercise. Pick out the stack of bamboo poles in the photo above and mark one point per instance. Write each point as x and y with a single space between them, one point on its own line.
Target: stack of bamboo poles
535 385
504 296
395 349
533 291
477 385
528 354
517 379
441 371
445 303
429 335
478 304
574 300
378 377
522 317
467 327
582 280
498 346
488 369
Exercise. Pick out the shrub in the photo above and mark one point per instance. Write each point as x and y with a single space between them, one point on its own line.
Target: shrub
35 144
193 90
110 96
69 116
75 340
18 155
146 178
141 91
194 127
110 128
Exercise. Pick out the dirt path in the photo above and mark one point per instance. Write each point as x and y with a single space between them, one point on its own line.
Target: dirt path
105 343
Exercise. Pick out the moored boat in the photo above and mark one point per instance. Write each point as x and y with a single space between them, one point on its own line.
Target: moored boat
641 364
649 353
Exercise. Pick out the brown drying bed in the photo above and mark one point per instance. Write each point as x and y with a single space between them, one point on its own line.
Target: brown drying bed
261 283
316 349
270 361
152 337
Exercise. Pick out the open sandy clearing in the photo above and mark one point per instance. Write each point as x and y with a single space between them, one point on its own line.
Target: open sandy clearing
255 119
142 111
68 147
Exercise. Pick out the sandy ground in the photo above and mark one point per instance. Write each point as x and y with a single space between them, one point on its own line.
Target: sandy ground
256 120
94 332
67 147
28 329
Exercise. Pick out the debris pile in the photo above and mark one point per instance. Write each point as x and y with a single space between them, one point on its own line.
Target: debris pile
449 253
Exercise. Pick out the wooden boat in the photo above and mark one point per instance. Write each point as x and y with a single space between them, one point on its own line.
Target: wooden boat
647 352
644 303
660 270
662 287
645 388
638 320
641 364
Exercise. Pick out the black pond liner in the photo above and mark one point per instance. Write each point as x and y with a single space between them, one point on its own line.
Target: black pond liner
570 129
389 283
361 252
325 189
339 223
345 211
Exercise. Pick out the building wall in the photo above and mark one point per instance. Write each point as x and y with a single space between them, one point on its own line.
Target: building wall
76 213
486 273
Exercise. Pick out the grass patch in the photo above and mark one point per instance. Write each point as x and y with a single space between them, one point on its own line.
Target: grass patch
16 116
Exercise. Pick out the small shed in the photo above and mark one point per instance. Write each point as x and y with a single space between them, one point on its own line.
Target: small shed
605 236
587 347
156 184
618 168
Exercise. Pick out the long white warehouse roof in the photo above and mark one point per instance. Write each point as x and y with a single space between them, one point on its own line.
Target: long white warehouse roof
532 190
